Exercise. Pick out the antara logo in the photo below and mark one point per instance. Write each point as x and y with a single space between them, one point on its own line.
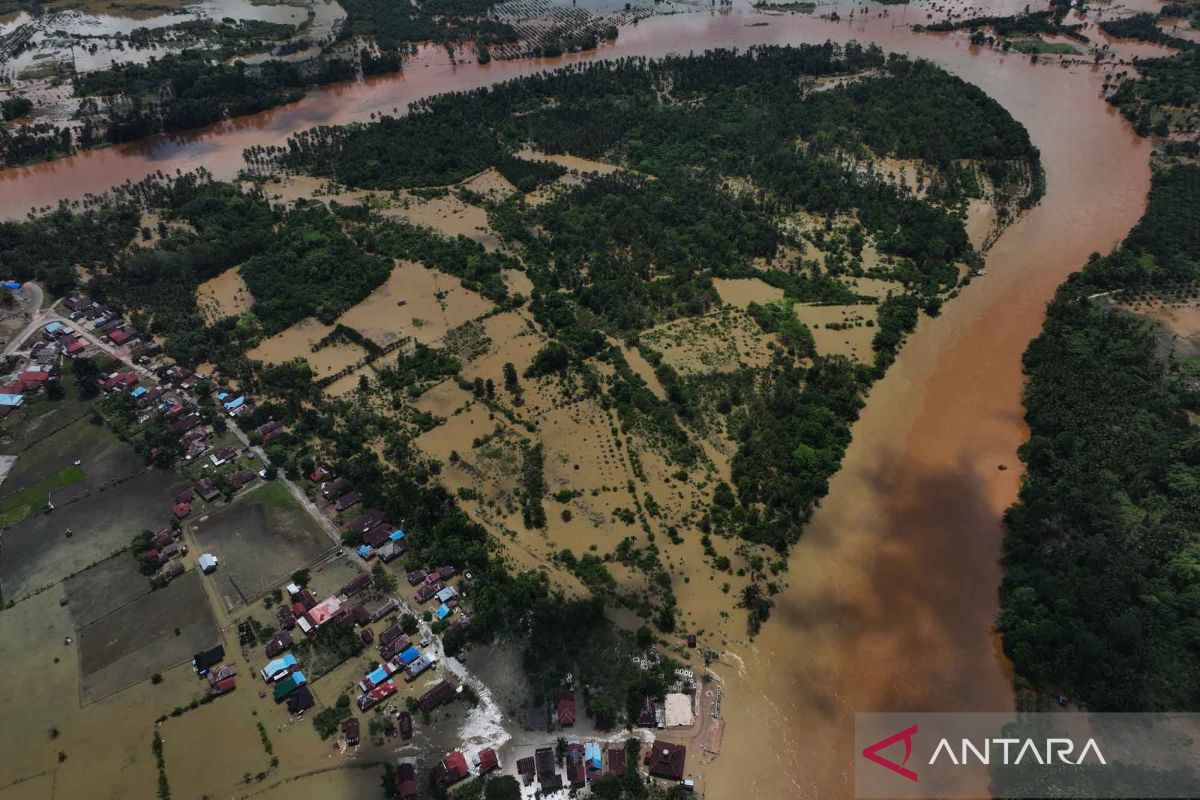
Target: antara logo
871 753
1010 752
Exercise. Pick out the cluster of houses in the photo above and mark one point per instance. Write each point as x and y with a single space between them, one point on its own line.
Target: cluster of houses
288 682
585 763
107 324
31 379
57 340
222 678
337 491
168 551
379 684
453 768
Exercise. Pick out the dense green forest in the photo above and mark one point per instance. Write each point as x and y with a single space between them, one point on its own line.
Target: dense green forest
1100 599
1165 96
450 22
1027 24
1145 28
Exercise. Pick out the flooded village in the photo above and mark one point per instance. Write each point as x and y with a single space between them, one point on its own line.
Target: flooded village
199 604
265 621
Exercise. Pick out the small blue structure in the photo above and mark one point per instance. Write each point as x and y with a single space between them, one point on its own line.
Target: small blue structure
410 655
222 395
277 666
233 405
13 400
365 550
138 392
377 676
443 611
396 535
591 755
14 285
54 327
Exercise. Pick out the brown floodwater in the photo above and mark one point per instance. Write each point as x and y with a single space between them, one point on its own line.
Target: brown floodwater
892 593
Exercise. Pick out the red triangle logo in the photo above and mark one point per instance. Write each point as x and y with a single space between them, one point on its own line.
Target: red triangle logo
872 753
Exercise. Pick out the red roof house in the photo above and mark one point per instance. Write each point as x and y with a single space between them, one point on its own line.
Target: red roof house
488 761
566 710
452 769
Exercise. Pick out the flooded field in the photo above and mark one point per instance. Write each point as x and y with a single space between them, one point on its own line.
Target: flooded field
224 296
299 340
117 498
721 341
741 292
151 634
415 301
260 539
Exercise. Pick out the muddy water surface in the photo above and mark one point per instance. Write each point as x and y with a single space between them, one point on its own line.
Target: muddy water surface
893 589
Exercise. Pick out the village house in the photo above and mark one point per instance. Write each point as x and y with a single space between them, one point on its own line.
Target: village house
366 521
407 787
547 775
279 643
436 696
335 488
300 700
350 730
616 761
223 455
666 760
405 723
269 430
452 769
487 761
347 501
576 774
207 490
240 479
357 585
525 769
565 709
206 659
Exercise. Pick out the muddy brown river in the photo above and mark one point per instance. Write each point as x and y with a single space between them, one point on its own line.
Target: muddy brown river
892 592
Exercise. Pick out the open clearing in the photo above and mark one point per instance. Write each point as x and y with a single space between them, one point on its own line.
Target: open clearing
117 497
721 341
297 342
260 539
851 336
151 634
224 296
102 589
741 292
433 304
24 503
227 722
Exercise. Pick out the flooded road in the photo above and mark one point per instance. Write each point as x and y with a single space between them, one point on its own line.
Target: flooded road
893 588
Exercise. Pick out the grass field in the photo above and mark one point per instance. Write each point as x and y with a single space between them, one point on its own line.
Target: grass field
21 505
260 539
